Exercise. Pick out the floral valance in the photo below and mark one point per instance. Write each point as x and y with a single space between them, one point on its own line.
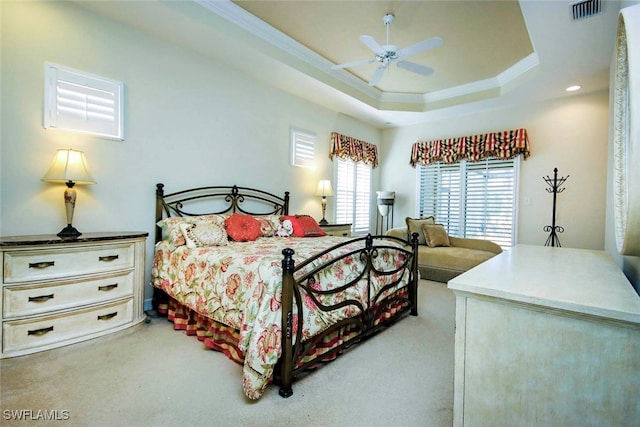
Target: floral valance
346 147
502 145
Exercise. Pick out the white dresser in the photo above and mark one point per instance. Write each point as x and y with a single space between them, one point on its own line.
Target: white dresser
57 292
546 337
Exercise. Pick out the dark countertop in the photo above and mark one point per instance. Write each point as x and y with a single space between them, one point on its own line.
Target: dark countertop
52 239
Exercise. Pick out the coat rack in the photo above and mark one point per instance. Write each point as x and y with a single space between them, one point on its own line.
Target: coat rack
555 189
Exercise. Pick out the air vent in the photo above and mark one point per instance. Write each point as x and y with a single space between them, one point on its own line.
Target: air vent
585 9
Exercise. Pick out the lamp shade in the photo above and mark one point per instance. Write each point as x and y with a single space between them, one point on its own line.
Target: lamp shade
386 199
324 188
69 165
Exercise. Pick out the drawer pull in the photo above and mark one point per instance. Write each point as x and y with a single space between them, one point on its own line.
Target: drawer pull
108 287
108 258
43 264
41 298
40 331
108 316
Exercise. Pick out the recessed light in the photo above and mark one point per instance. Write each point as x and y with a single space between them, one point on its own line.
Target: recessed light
573 88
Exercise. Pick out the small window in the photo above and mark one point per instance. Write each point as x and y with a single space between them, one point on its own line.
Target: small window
81 102
303 147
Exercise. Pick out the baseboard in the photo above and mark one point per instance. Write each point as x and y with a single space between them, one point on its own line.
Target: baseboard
147 305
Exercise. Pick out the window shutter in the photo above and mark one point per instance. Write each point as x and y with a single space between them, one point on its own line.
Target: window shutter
345 190
489 203
302 148
353 195
363 199
472 199
441 189
80 102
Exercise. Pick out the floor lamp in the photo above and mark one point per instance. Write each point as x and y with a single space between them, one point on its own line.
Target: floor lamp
385 202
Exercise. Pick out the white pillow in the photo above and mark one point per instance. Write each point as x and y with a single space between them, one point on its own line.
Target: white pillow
204 234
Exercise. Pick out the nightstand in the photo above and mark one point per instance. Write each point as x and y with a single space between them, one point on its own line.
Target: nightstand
57 291
343 230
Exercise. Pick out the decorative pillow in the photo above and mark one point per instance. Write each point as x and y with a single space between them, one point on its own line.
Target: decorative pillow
243 228
435 235
268 224
171 226
305 226
414 225
204 234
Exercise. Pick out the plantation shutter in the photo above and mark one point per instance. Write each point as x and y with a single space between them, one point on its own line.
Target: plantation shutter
363 199
353 195
441 195
471 199
490 201
345 191
80 102
302 148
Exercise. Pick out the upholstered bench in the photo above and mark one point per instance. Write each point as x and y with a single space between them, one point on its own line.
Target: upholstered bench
441 258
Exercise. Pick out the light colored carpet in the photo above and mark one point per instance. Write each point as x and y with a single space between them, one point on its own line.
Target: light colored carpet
402 377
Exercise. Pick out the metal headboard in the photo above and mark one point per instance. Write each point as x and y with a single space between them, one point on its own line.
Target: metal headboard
218 200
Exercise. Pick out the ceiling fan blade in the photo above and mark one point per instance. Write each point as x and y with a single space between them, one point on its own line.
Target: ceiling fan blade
416 68
377 75
421 46
352 64
372 44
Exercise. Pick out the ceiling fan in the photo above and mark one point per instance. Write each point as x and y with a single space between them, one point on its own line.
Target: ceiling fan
388 53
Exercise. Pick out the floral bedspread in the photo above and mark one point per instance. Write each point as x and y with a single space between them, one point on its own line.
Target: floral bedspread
240 285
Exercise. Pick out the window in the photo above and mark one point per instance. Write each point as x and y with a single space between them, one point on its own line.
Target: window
353 195
472 199
80 102
303 145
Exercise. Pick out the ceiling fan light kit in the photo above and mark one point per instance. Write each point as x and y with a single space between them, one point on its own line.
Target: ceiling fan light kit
388 53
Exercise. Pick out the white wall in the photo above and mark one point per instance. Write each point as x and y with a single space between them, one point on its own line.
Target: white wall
568 133
189 121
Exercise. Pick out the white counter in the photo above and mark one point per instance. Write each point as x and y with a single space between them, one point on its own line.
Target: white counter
546 336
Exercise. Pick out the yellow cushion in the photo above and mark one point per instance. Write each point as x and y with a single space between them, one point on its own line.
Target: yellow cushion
414 225
435 235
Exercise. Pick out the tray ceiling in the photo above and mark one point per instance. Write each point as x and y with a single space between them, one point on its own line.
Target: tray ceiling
495 53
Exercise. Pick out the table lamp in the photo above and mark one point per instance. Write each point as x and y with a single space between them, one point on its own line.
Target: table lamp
324 189
69 167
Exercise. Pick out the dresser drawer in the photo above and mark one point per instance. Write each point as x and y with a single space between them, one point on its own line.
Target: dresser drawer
25 300
25 266
339 233
341 230
52 331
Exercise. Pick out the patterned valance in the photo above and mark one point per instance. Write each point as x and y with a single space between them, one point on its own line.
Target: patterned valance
502 145
346 147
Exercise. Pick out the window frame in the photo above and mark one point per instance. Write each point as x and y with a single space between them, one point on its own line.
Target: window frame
103 110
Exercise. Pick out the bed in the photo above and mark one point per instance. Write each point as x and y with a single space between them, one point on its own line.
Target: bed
278 304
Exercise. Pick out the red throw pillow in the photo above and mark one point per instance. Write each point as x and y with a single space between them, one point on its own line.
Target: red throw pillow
305 226
243 228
